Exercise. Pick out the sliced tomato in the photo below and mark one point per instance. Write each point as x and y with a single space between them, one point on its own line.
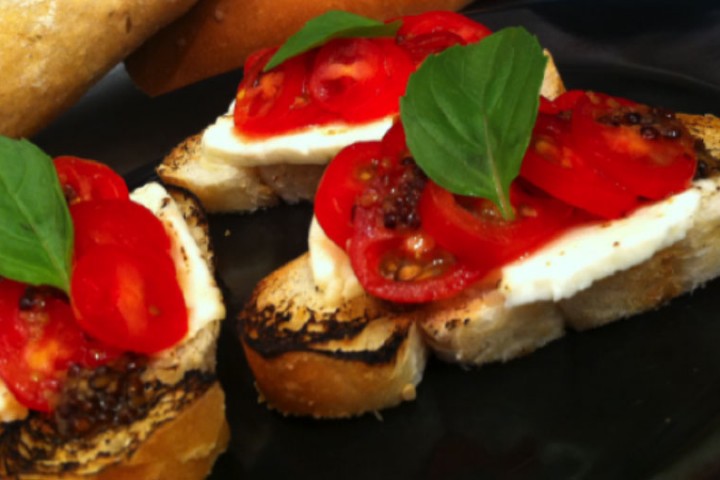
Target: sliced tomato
344 179
39 340
566 101
276 101
647 150
360 79
474 231
120 223
433 32
84 180
129 301
404 266
552 164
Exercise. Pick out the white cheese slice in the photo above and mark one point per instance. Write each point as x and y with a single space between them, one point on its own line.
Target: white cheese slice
314 145
560 269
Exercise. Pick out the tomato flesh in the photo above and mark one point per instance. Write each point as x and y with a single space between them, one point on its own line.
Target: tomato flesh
118 223
433 32
360 79
84 180
128 301
552 164
39 340
647 150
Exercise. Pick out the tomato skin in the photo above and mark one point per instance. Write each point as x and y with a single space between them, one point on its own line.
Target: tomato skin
84 180
39 342
128 301
552 164
118 223
432 32
473 230
360 79
647 151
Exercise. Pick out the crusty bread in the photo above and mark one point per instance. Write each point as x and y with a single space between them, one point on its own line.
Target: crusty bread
222 187
473 328
175 428
54 50
217 35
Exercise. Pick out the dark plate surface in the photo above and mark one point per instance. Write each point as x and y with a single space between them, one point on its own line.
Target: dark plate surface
638 399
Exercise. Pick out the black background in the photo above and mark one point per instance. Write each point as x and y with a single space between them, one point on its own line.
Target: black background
638 399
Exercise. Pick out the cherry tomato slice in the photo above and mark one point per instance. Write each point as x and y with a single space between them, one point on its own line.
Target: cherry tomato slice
402 266
39 340
84 180
473 229
275 101
647 150
360 79
129 301
433 32
552 164
120 223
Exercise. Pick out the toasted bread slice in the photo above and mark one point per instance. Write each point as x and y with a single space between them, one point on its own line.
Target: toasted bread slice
474 328
223 187
133 418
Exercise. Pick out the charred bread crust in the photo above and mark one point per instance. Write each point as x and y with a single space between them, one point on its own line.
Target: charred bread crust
131 418
310 360
475 327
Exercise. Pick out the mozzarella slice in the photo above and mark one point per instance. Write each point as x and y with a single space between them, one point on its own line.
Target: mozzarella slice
314 145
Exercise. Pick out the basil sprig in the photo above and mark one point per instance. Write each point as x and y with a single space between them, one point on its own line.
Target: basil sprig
469 111
36 231
333 24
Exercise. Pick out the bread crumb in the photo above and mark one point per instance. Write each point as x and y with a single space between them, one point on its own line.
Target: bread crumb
409 392
227 232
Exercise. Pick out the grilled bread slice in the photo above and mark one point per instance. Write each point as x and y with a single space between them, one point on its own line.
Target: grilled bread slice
304 352
223 187
139 417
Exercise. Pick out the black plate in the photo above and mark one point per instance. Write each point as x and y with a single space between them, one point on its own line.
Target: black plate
637 399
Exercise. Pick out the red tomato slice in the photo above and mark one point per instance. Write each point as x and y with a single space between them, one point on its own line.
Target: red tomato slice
402 266
129 301
566 101
360 79
553 165
647 150
474 231
120 223
84 180
39 340
273 102
433 32
344 179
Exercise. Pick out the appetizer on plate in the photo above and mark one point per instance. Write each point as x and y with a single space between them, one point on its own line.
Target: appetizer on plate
109 315
480 228
335 82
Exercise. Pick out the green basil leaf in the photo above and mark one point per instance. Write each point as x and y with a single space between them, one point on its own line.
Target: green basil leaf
36 231
469 111
333 24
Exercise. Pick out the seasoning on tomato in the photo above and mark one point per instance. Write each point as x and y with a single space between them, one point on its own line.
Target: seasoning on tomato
84 180
645 149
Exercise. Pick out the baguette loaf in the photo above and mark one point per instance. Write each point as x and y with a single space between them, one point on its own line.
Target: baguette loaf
473 328
217 35
53 51
223 187
146 418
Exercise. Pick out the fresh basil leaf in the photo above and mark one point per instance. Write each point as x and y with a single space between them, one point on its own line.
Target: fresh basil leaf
333 24
469 111
36 231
